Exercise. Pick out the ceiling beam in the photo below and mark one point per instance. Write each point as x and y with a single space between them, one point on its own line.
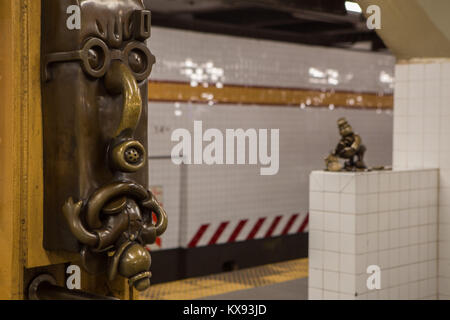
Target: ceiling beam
184 22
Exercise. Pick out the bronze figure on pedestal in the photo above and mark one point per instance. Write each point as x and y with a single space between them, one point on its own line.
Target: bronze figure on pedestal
350 148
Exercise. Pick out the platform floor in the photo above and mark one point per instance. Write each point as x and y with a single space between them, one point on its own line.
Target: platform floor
278 281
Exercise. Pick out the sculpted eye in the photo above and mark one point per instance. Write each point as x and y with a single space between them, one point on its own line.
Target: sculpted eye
96 58
137 61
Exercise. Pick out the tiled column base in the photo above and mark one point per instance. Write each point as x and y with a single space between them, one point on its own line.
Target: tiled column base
422 135
382 218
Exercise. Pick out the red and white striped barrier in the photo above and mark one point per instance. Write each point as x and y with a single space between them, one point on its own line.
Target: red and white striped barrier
248 229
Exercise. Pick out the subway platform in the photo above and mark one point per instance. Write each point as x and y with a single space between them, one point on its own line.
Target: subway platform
278 281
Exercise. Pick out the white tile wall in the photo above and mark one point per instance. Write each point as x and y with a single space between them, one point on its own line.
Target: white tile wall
384 218
421 139
306 136
168 178
268 63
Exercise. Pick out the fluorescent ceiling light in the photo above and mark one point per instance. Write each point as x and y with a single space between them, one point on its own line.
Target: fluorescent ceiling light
352 6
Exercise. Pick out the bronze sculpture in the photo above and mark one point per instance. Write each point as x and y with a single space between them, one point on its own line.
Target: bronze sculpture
94 94
349 147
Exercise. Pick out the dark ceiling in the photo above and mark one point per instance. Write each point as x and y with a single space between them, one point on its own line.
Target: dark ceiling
315 22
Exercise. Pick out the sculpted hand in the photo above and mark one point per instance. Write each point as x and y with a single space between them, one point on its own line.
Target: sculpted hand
72 210
348 152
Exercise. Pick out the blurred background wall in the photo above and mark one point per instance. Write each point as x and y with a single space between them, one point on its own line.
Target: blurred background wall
229 83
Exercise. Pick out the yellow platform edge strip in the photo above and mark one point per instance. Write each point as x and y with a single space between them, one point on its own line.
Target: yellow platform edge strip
201 287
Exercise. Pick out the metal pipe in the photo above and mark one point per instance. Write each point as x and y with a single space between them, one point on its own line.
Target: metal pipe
44 287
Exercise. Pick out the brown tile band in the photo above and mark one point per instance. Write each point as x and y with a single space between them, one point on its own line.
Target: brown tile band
167 91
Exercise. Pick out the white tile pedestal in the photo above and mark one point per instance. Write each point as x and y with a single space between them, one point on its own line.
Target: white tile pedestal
382 218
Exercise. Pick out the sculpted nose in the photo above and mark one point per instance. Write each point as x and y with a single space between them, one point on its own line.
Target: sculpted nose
128 155
120 80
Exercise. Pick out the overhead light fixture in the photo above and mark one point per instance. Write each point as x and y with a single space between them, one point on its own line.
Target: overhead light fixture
352 7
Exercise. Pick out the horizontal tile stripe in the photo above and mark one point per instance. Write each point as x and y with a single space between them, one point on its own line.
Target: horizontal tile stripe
251 95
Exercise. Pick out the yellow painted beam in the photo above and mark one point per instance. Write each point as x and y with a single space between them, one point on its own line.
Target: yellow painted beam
21 159
9 235
35 253
21 173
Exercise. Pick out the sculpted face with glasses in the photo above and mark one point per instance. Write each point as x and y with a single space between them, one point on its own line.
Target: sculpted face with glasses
94 96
